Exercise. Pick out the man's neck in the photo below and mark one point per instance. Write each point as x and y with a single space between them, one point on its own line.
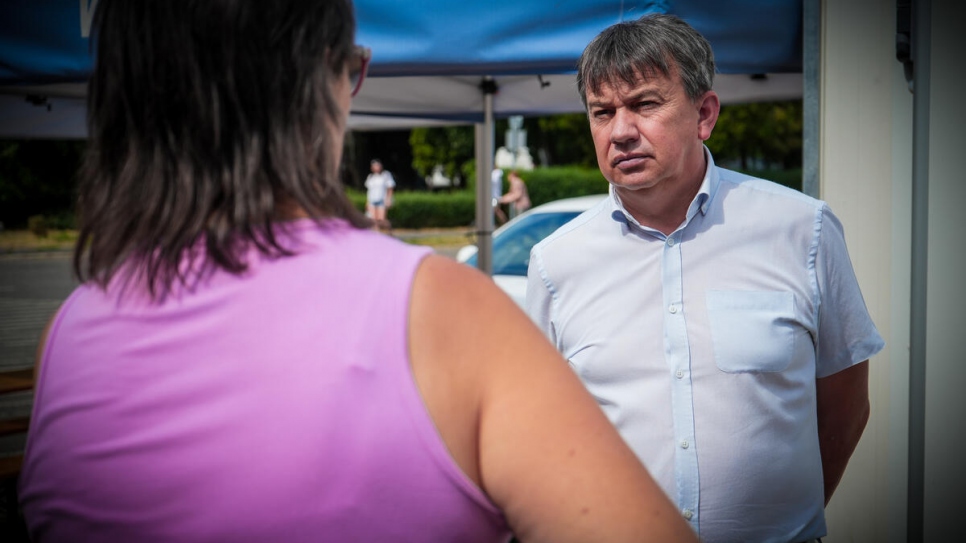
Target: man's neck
663 207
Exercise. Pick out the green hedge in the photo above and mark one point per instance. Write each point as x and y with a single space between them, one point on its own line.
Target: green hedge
432 210
548 184
426 209
458 207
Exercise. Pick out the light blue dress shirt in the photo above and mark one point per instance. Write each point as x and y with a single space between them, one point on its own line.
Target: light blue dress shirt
703 346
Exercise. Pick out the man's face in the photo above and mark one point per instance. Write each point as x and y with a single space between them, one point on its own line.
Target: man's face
650 133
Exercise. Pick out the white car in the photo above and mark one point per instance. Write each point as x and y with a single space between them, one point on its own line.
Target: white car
512 241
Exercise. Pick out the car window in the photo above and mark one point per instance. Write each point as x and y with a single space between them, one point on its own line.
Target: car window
511 249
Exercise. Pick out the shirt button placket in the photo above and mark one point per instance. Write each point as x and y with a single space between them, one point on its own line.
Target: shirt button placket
679 360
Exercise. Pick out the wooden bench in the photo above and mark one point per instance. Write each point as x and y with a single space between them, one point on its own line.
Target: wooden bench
16 380
10 382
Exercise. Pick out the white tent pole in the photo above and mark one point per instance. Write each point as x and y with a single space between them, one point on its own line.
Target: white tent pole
484 167
811 71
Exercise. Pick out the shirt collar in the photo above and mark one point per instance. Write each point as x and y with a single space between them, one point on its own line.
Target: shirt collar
708 189
701 201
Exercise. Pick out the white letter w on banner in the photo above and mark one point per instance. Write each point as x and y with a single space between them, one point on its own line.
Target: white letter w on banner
87 8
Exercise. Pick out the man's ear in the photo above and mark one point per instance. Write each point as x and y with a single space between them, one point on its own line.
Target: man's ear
708 108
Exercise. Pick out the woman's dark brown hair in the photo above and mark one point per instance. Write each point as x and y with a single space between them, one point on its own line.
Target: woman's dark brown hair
205 119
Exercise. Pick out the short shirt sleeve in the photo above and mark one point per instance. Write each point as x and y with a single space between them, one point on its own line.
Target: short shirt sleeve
846 333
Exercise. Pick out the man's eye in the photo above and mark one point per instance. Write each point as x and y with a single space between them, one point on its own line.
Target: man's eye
600 113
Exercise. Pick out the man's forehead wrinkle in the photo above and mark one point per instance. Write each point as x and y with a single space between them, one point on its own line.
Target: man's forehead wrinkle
596 99
616 80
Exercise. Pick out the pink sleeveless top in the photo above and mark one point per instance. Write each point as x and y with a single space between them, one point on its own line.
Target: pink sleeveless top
274 406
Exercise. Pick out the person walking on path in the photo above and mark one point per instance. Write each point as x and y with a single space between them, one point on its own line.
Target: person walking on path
517 196
496 190
379 189
715 317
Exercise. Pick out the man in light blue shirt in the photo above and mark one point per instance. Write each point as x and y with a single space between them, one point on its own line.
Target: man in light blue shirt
715 317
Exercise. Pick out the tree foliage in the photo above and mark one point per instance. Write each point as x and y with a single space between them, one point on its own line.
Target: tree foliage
38 177
759 135
552 140
448 146
764 135
566 140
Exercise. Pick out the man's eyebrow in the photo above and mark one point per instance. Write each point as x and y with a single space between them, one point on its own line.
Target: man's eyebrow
636 97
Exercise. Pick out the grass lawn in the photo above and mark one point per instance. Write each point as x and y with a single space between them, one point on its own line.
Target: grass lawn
25 240
55 240
443 240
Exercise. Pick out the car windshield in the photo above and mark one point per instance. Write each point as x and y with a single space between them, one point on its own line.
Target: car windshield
511 249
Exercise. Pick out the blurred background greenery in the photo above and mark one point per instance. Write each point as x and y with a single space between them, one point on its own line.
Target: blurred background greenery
38 177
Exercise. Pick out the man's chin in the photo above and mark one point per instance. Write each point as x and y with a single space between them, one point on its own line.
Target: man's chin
632 182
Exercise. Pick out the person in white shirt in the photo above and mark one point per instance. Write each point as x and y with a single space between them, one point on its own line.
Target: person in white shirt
496 187
379 187
715 317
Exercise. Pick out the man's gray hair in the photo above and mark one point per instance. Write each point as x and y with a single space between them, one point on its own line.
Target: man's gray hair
654 44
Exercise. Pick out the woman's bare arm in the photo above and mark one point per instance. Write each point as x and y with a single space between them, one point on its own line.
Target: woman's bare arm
520 423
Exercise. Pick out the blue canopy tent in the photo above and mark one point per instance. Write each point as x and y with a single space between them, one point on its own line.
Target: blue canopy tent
429 57
434 61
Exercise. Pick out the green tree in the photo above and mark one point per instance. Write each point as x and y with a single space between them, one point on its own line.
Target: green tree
756 136
38 177
566 140
448 146
759 135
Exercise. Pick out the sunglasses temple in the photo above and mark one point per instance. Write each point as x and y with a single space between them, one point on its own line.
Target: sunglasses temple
362 74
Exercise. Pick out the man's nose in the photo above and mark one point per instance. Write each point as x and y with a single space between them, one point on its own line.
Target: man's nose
623 127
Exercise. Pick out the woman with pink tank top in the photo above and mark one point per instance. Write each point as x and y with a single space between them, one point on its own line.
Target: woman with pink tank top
246 360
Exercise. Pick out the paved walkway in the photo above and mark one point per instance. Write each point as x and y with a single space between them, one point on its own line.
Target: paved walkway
32 287
34 284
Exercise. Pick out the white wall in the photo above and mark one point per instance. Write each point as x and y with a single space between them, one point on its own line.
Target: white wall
866 176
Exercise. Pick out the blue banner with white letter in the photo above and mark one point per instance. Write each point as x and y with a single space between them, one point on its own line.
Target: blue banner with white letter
47 41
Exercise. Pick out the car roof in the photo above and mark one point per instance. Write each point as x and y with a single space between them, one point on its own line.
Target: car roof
578 203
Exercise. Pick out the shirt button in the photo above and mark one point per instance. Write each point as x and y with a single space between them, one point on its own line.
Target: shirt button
673 309
679 374
685 444
670 242
687 513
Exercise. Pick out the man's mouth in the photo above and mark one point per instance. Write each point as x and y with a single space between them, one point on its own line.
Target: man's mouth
627 162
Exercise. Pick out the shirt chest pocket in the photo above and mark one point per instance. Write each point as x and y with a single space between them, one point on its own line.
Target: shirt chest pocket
752 331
